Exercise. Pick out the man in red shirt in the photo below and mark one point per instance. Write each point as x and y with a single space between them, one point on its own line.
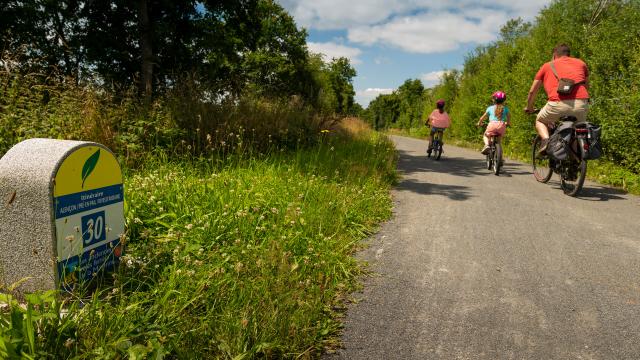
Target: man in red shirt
576 103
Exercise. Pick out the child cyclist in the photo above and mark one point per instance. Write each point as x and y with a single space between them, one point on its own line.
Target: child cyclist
499 118
438 120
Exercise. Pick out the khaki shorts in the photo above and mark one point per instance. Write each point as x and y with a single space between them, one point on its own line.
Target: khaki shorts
553 110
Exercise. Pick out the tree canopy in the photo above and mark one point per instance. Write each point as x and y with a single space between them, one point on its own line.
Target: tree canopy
229 47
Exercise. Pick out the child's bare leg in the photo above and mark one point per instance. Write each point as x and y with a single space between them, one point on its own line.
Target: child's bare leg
485 138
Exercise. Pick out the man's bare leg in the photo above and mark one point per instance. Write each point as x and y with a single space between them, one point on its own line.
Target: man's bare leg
542 130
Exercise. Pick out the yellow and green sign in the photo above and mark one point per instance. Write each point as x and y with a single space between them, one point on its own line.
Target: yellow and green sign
89 214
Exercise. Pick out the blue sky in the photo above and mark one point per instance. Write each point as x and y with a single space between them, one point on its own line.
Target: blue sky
389 41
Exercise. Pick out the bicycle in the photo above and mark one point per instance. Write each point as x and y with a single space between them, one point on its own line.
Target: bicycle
436 145
494 156
572 169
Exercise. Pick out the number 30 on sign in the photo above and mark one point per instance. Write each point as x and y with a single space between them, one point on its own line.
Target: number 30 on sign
89 214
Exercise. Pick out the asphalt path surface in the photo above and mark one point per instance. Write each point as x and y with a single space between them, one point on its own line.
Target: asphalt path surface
478 266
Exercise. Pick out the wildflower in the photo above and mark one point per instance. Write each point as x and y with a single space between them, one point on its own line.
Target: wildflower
189 226
127 260
69 343
245 322
324 131
238 267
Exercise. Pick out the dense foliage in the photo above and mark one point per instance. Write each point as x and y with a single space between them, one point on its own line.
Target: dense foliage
605 34
76 69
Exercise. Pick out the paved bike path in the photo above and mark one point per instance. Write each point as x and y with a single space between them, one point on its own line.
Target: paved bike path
475 266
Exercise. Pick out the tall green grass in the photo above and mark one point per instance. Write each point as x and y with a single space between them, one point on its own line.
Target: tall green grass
234 258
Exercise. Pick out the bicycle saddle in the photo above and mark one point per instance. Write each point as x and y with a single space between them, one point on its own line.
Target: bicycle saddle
568 118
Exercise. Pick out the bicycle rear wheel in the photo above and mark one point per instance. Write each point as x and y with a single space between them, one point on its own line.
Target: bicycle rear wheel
489 160
497 159
542 170
437 145
572 186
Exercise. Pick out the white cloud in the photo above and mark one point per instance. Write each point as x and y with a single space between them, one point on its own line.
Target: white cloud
340 14
418 26
363 97
431 78
333 50
431 33
382 60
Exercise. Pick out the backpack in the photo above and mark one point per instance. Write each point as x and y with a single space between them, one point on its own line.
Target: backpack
595 145
559 142
565 85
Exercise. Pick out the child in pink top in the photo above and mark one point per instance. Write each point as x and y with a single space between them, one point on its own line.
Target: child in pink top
438 120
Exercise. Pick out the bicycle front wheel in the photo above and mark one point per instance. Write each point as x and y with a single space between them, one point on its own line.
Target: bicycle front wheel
542 170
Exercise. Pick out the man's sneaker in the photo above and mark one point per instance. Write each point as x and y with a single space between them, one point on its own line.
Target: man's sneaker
485 150
544 143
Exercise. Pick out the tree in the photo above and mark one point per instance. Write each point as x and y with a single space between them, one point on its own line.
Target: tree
342 74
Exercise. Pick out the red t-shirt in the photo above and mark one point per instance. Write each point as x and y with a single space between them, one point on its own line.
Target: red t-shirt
566 67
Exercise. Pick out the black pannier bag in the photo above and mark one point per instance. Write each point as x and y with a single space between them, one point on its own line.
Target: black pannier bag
559 142
595 145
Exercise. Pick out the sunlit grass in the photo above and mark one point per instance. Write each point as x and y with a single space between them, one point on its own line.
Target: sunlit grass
241 258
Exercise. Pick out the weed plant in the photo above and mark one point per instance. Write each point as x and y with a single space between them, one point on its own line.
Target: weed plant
235 257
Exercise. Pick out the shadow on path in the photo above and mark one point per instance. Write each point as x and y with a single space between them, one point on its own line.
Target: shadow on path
411 163
453 192
599 193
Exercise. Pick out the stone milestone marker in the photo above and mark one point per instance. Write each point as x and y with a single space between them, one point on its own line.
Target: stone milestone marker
61 213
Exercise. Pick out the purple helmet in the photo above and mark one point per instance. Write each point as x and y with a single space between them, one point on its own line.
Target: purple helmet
499 96
440 103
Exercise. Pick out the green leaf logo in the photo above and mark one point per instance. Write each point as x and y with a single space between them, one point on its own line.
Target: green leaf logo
89 166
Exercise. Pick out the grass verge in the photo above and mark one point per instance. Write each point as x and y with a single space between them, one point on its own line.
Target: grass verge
234 259
602 171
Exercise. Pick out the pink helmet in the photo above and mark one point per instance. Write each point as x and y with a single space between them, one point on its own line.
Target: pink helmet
440 103
499 96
